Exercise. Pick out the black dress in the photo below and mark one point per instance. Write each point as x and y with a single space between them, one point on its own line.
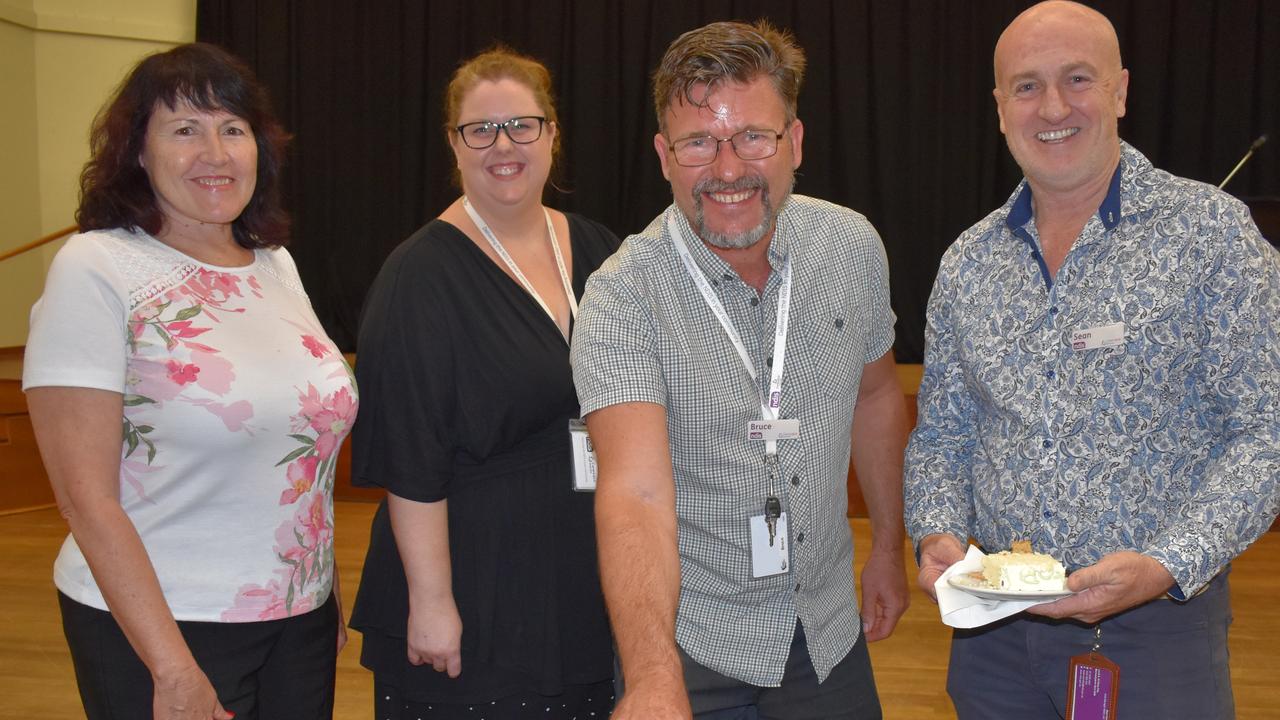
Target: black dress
466 394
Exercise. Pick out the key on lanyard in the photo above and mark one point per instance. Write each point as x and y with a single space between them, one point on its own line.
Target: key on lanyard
772 511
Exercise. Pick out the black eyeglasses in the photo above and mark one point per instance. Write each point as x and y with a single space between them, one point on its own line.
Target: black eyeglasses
749 144
521 130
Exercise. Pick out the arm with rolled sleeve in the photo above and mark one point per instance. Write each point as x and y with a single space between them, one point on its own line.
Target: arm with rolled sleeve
877 441
938 488
938 492
1235 499
1239 494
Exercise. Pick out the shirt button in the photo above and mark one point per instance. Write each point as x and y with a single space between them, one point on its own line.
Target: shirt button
1053 310
1049 374
839 323
1048 443
800 538
769 361
795 479
797 587
1048 514
755 301
727 276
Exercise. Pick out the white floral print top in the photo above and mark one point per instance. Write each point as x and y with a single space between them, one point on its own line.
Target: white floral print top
235 405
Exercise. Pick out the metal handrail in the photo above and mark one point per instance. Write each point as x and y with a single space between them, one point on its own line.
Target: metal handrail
37 243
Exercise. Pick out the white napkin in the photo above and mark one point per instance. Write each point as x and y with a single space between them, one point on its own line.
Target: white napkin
959 609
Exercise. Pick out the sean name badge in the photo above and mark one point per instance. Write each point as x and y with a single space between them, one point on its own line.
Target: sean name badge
1097 337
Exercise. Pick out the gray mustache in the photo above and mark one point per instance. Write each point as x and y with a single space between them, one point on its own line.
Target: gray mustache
751 182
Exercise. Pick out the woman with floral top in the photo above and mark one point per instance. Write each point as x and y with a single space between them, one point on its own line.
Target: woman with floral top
189 409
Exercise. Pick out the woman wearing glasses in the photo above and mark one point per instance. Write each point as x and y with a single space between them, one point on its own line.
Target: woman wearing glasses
480 596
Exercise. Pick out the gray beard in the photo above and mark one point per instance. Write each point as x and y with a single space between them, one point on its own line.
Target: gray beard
744 239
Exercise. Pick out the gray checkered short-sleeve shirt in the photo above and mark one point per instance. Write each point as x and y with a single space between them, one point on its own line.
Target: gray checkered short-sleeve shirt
645 334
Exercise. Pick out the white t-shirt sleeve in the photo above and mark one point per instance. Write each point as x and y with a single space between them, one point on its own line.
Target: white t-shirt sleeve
79 324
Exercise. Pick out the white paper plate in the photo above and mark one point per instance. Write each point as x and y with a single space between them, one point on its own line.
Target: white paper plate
980 588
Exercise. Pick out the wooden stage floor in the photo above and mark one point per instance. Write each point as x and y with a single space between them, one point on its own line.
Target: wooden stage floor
36 679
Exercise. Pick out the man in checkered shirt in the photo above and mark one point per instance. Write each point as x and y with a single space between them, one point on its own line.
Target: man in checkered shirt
719 357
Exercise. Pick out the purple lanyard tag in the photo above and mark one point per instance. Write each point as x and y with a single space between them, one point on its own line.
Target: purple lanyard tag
1092 685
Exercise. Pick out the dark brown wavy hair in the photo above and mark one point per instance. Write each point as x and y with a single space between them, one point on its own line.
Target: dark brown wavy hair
728 52
114 189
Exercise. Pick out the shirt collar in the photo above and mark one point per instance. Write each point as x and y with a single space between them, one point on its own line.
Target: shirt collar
713 266
1109 212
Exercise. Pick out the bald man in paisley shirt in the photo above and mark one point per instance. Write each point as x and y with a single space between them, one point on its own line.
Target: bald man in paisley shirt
1101 377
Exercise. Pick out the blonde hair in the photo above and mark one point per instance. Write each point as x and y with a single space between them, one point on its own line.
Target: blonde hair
502 63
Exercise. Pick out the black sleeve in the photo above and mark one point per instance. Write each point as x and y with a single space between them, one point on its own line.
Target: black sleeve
594 243
404 440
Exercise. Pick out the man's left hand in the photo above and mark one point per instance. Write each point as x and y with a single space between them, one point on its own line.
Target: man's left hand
1114 584
884 593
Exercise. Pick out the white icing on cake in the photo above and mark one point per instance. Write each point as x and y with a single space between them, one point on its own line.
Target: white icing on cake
1024 572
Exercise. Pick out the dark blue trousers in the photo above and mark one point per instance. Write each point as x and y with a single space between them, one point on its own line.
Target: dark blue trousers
1172 658
848 693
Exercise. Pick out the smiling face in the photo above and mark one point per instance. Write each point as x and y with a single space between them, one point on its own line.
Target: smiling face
202 166
504 173
731 203
1060 91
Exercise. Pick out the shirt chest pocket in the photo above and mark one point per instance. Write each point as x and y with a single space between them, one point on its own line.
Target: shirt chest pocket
830 347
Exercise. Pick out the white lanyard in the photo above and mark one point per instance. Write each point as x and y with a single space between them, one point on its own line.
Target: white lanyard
515 270
770 407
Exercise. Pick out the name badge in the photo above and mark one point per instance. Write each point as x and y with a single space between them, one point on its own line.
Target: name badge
584 457
1093 682
773 429
1098 337
769 553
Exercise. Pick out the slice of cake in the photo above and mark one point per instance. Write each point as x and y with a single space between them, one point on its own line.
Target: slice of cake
1023 570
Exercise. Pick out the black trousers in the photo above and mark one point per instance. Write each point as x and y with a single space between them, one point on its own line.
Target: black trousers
272 670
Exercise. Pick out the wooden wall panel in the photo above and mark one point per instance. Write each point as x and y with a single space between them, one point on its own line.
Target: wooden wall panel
23 483
909 378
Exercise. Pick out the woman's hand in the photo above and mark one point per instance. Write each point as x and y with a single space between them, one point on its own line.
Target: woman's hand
434 628
186 695
342 634
435 636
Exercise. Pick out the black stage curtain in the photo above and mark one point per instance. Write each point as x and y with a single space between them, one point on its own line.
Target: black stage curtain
899 119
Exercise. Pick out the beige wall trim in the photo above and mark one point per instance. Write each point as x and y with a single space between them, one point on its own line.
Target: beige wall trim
58 235
17 14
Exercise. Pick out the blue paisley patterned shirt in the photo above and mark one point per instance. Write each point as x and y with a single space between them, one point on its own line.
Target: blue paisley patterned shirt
1166 442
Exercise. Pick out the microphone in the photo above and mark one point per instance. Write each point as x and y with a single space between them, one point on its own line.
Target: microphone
1262 139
